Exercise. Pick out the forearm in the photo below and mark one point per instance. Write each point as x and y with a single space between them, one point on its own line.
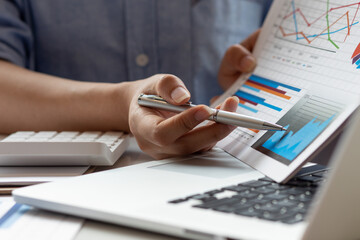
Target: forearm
34 101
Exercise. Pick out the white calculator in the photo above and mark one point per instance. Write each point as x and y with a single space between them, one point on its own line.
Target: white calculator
48 148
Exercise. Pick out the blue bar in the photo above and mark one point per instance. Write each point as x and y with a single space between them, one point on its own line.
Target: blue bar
248 108
13 215
271 106
251 88
271 83
256 99
250 97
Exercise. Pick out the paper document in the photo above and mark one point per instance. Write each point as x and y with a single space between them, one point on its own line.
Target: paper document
307 79
24 222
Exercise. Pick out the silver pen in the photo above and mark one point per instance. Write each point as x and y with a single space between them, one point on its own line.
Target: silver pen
219 116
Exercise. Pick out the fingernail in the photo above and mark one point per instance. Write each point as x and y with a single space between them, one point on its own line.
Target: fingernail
179 94
202 114
236 99
247 63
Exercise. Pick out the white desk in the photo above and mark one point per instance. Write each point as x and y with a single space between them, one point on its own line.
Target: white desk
92 230
95 230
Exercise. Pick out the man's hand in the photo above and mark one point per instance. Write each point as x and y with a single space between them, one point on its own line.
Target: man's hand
238 59
163 134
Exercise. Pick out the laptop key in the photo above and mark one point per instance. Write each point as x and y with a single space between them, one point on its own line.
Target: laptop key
277 186
285 203
236 188
260 201
180 200
233 207
248 212
264 190
204 197
293 219
216 203
275 196
213 192
309 178
299 183
293 191
246 195
254 183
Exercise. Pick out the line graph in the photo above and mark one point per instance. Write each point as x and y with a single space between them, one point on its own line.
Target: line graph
327 22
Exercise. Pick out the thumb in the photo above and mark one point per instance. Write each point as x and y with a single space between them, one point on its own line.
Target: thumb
171 88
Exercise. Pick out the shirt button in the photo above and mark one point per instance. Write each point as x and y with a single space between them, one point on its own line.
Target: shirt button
142 60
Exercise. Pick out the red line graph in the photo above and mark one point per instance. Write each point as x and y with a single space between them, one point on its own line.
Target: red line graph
323 15
318 35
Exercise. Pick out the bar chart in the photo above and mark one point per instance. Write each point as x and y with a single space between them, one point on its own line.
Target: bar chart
304 122
264 98
259 84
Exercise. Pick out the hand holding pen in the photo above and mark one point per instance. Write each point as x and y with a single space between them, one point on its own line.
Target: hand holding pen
220 116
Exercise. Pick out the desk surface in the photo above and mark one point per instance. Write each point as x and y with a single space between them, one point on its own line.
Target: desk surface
92 230
97 230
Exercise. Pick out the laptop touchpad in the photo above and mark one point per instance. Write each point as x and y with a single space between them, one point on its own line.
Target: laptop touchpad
219 165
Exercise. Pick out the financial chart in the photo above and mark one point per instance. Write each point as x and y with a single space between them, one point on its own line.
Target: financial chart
303 123
322 24
307 78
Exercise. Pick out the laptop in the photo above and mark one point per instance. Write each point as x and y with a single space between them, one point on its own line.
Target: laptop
182 197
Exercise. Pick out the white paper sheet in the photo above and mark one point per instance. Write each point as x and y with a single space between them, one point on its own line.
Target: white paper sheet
23 222
307 79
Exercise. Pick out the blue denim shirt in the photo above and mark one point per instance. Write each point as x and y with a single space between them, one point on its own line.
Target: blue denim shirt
126 40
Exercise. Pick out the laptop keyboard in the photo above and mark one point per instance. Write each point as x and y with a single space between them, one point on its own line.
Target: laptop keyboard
264 198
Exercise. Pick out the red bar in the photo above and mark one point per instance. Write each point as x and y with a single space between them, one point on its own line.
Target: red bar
248 101
266 86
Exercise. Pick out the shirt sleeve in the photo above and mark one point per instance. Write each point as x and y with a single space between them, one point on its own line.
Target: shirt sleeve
15 34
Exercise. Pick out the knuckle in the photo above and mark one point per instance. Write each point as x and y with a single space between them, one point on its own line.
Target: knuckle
165 80
166 83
